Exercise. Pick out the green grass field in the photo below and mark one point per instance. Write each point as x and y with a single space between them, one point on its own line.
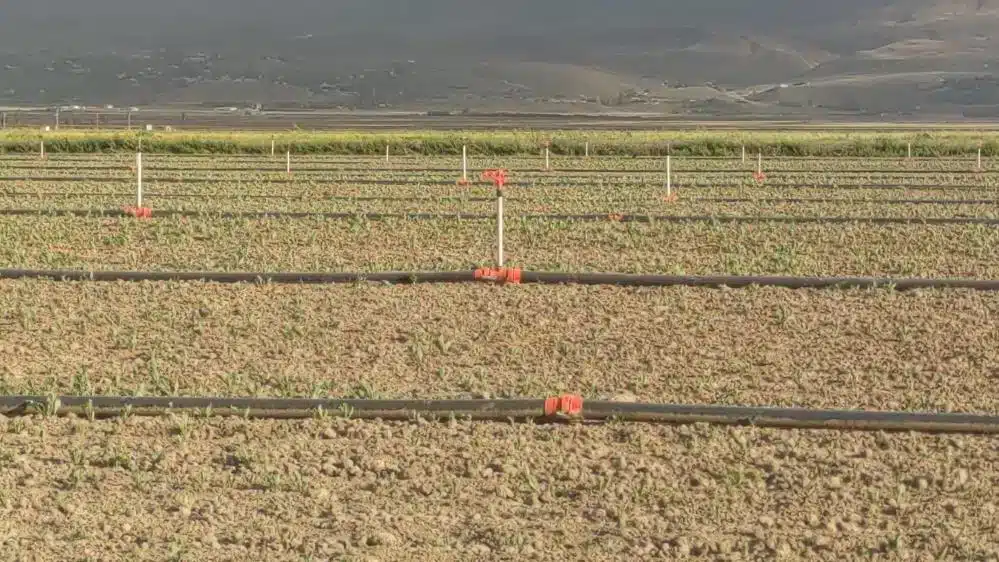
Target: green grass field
931 142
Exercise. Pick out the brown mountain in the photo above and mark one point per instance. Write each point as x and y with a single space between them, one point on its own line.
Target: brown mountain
718 56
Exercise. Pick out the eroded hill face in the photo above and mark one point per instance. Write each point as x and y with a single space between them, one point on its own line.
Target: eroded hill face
712 55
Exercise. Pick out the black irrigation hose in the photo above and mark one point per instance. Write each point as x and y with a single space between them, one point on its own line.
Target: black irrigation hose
794 418
561 171
742 281
928 221
264 156
796 200
502 410
407 277
105 406
608 216
118 213
149 182
450 198
392 277
285 197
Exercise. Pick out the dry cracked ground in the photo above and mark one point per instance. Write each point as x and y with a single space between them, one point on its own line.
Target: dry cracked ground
193 489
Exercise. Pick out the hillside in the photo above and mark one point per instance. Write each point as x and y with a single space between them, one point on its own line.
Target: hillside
725 56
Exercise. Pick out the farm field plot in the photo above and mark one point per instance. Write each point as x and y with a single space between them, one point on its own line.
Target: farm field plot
186 485
967 163
928 350
317 197
345 489
447 244
794 187
623 176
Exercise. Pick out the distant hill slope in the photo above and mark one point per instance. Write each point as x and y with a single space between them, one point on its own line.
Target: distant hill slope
728 56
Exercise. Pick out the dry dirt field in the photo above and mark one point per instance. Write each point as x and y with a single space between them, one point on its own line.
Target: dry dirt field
935 350
181 488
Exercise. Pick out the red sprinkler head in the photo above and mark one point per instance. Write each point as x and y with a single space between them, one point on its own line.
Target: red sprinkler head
497 176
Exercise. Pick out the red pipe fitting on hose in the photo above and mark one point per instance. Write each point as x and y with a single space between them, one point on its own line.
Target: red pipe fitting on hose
499 274
138 212
567 404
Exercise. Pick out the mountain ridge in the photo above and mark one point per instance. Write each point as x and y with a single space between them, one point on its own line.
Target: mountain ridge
771 56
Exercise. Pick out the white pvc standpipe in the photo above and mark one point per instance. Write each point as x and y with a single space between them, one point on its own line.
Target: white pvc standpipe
272 148
41 149
287 161
386 153
138 177
464 164
499 228
743 154
669 181
759 163
548 165
979 158
909 150
587 149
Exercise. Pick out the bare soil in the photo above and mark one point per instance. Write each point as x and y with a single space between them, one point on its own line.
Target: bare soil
193 489
933 350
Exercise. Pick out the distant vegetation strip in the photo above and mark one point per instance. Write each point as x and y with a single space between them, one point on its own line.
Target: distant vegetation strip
511 143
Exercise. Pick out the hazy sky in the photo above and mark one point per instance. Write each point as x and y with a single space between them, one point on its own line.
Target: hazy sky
32 19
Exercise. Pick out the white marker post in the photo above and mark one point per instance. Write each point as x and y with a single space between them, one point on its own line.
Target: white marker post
548 164
138 176
669 180
464 164
587 149
272 147
979 158
386 153
908 149
41 149
743 154
129 120
759 163
499 227
287 161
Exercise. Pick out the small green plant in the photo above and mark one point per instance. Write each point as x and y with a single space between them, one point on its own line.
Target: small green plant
17 426
52 405
81 385
181 426
346 411
363 392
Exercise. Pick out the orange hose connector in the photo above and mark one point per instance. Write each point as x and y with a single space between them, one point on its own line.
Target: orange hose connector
138 212
498 274
567 404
